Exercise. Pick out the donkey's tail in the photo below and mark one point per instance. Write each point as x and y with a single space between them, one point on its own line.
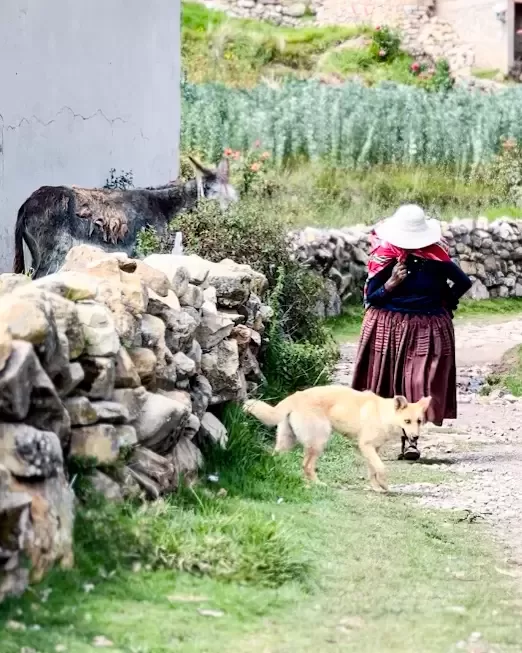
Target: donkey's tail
19 263
21 235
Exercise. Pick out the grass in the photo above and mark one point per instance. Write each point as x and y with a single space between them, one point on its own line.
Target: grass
363 572
508 374
346 327
243 52
486 73
319 195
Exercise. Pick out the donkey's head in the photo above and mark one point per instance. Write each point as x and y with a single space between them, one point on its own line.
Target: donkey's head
214 184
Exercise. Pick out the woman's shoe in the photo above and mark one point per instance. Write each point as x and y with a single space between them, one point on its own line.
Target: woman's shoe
410 452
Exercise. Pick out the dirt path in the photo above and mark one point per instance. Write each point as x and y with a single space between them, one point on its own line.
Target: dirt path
483 447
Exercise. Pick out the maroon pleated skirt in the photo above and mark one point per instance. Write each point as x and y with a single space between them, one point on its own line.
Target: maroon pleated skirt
410 355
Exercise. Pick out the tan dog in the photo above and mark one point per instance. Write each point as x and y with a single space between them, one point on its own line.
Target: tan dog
308 418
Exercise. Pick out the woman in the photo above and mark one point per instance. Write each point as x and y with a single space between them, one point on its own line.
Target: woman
407 344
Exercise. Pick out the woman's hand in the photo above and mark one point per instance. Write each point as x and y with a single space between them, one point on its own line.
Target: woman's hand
398 275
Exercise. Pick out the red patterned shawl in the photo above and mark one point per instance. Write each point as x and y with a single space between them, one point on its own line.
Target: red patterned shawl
383 253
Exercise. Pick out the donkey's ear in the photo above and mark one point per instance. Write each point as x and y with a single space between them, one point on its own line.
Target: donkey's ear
199 169
223 171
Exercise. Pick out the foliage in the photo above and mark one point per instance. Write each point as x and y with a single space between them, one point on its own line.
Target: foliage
239 52
506 172
248 168
193 533
123 181
246 233
352 126
300 352
246 464
442 79
147 242
508 375
242 53
385 44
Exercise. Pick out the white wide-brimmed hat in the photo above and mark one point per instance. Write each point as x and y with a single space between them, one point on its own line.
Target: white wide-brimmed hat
409 228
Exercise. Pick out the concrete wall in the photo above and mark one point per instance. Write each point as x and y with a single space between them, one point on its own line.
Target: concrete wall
85 87
475 22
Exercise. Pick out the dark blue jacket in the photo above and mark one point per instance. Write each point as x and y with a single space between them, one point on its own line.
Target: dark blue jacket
430 288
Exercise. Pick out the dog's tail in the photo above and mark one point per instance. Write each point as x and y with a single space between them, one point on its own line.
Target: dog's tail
269 415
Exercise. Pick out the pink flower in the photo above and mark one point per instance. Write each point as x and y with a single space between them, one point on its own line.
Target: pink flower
265 155
382 53
255 167
378 28
415 67
227 152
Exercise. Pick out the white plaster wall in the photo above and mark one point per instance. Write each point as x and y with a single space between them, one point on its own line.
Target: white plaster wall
475 23
85 87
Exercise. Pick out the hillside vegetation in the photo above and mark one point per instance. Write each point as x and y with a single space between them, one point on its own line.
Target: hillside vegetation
338 154
243 53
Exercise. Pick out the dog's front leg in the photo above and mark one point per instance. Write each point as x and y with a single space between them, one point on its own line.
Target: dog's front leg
376 469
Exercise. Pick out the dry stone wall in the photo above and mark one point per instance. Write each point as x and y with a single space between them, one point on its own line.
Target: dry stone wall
489 252
108 358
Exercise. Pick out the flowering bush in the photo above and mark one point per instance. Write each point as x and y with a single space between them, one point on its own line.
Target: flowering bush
248 169
385 44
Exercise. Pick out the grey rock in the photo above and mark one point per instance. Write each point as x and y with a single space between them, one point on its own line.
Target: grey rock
81 411
110 411
100 377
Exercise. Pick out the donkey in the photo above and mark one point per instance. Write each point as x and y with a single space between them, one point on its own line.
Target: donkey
55 218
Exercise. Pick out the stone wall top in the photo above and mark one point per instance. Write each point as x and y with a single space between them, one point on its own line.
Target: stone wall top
490 252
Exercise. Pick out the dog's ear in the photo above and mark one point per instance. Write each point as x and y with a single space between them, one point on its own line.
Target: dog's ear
223 171
424 403
400 402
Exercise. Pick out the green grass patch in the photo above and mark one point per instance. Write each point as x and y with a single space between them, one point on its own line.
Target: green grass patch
508 373
240 52
322 195
346 327
383 574
485 73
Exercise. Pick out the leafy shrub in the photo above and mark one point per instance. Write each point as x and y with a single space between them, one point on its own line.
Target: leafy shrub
385 44
301 351
147 242
246 233
249 232
442 80
506 172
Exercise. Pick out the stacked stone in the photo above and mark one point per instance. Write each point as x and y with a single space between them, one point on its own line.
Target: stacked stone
489 252
114 360
273 11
